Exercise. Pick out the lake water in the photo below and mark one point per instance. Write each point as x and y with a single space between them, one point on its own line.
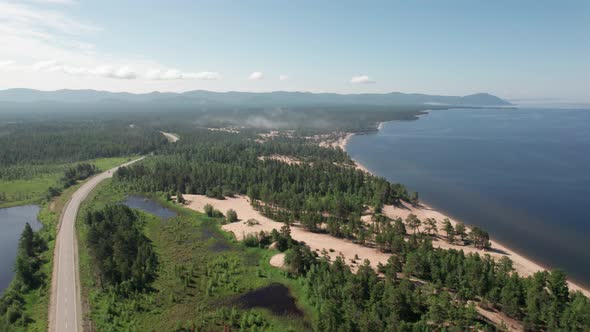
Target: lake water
12 223
147 205
217 242
523 175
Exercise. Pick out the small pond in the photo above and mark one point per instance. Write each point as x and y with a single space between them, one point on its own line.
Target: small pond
12 223
147 205
275 297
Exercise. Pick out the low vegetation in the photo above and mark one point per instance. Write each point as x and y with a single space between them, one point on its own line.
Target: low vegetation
34 184
196 283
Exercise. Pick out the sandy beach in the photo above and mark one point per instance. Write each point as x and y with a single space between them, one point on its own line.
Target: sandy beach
523 265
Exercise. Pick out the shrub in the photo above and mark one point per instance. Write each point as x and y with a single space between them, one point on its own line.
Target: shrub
216 214
208 208
251 240
231 216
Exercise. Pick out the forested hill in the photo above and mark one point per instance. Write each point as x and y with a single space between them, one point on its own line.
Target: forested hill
244 99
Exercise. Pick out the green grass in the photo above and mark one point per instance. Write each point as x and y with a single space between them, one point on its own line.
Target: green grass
104 164
21 192
191 287
32 190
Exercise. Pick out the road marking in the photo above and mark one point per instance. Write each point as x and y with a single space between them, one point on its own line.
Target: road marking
68 219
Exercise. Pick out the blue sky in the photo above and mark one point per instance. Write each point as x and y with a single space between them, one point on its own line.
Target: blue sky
515 49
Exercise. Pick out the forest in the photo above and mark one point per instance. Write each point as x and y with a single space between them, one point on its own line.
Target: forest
29 144
123 256
449 285
326 194
420 288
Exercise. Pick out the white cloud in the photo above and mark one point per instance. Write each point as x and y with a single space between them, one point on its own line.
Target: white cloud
19 18
6 63
44 65
283 77
30 33
361 79
255 76
109 71
112 72
158 74
56 2
174 74
204 75
52 66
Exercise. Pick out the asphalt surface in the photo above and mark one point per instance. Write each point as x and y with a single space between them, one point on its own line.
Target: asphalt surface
65 312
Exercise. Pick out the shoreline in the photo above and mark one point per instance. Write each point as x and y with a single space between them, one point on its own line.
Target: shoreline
523 266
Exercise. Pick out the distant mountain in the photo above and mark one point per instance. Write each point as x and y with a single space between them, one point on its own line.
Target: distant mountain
276 99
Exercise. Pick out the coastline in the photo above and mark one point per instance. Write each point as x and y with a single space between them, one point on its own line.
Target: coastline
522 265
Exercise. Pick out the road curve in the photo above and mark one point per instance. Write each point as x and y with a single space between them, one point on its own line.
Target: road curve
65 310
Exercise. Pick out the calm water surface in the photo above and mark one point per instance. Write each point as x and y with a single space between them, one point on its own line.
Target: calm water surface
521 174
12 223
147 205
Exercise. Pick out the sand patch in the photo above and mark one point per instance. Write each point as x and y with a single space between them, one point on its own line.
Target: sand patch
316 241
172 138
334 246
500 319
233 130
278 260
281 158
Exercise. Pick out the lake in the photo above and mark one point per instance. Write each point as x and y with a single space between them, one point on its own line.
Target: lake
12 223
520 174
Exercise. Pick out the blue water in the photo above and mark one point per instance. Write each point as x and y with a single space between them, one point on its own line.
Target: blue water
523 175
147 205
12 223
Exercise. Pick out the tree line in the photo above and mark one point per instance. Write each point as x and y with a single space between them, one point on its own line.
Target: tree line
68 142
28 276
123 257
425 288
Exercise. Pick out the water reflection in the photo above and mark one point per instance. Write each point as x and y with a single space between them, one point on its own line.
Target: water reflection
147 205
12 223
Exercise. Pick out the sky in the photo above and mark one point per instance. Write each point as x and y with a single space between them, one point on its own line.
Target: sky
525 49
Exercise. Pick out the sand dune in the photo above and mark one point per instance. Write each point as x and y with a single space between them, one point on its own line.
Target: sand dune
335 246
318 242
172 138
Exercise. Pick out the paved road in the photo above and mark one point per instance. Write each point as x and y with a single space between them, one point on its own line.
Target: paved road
65 312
